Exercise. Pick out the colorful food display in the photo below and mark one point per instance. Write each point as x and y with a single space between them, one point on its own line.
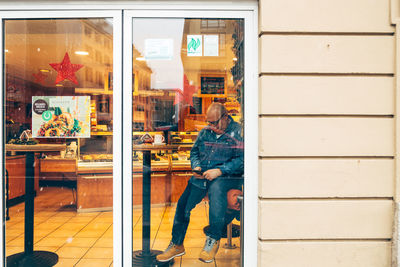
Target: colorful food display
62 124
61 116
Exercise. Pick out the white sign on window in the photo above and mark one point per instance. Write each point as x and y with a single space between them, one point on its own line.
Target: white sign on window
158 49
211 45
194 46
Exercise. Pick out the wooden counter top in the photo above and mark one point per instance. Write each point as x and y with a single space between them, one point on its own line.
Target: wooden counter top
158 166
34 148
101 169
147 147
15 157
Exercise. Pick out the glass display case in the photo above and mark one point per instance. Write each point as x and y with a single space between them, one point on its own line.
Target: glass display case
183 138
97 151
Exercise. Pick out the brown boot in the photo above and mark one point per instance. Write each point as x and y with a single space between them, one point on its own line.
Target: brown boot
171 252
210 250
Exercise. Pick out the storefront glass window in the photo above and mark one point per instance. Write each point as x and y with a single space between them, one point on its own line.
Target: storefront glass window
58 108
188 117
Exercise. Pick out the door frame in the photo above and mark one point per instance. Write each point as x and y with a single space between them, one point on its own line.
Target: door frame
250 121
116 15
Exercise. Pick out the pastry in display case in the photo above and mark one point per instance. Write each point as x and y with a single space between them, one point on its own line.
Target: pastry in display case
160 161
180 160
160 156
95 152
97 158
183 138
181 156
234 109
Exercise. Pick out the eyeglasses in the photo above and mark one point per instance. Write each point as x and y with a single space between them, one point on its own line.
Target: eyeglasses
215 123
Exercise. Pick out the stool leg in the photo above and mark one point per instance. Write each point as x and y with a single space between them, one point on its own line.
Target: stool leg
228 243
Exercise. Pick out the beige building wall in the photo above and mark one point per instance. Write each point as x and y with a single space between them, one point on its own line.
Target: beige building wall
327 133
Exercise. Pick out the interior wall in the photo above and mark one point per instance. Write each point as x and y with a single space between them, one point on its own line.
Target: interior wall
327 142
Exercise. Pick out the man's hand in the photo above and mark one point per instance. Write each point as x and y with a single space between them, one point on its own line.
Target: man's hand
211 174
198 176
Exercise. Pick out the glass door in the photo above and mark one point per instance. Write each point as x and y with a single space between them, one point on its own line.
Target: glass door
61 147
85 152
184 137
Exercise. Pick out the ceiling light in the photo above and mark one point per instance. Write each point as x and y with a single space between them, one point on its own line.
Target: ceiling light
44 70
234 59
82 53
6 50
38 49
140 59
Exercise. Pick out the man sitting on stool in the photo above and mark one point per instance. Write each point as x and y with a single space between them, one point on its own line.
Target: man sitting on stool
217 164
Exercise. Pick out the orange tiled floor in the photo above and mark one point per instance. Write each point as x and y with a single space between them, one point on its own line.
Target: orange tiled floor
86 239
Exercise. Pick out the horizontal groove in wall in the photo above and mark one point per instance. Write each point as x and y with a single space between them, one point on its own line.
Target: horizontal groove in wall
325 157
328 115
326 240
324 198
357 74
326 33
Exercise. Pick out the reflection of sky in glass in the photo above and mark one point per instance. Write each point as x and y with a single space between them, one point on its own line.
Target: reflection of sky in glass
109 21
168 69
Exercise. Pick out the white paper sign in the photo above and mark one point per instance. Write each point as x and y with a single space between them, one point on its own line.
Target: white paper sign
194 46
158 49
211 45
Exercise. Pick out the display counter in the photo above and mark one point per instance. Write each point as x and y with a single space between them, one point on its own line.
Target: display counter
55 164
92 169
94 192
54 169
15 166
95 185
170 173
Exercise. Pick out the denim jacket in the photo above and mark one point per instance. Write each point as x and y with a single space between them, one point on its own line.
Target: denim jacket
224 152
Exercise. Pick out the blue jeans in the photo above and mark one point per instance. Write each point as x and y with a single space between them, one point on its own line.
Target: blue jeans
192 195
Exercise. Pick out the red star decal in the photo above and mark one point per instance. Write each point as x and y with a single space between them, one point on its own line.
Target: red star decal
66 70
39 77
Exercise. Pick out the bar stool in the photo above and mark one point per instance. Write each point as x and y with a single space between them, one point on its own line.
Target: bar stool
231 230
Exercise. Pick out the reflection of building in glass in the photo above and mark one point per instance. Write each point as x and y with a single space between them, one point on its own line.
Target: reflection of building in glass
184 107
99 44
32 45
211 75
141 85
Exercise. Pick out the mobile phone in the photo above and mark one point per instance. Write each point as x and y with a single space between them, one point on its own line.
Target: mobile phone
199 172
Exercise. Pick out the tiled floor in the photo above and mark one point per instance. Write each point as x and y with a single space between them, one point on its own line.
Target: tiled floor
86 239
